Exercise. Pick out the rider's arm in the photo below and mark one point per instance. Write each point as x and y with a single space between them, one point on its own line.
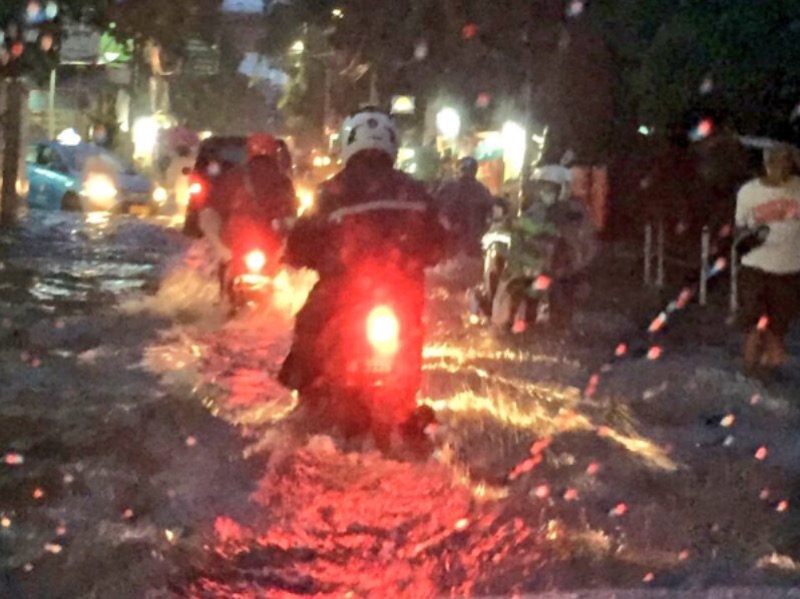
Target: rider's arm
308 240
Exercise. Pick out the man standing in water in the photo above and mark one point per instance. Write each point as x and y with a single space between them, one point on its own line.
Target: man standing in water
770 277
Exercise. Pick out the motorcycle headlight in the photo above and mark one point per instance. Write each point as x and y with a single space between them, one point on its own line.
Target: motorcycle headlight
160 195
100 189
305 199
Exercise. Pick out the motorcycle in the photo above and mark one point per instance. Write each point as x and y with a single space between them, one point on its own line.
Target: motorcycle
369 355
247 279
520 295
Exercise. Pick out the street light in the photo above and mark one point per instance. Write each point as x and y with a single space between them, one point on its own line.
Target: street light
145 136
337 13
448 122
514 146
298 47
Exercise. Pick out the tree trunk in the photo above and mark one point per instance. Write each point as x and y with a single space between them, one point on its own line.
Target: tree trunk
12 135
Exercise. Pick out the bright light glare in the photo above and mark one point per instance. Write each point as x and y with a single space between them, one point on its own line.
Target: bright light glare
298 47
255 261
383 330
337 13
100 189
23 187
195 188
160 195
305 199
513 136
69 137
322 161
145 135
448 122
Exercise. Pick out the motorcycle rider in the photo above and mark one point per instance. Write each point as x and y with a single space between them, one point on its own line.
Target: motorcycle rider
578 245
369 212
551 236
256 194
466 204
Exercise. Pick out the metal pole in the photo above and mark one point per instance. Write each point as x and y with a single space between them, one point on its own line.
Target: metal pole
51 106
648 254
734 306
661 249
374 96
326 106
528 90
704 256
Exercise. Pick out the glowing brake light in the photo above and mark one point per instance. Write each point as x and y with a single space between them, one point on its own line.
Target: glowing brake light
255 261
383 330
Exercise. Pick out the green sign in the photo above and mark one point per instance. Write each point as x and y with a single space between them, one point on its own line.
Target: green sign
112 51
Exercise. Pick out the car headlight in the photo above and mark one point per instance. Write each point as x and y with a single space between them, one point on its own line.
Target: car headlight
160 195
100 189
22 187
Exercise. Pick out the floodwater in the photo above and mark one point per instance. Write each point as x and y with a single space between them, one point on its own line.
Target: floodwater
148 451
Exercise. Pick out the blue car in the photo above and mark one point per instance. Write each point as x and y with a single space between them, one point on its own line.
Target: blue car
87 178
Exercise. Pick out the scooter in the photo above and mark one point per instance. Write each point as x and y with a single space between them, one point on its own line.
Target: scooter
367 357
515 300
247 279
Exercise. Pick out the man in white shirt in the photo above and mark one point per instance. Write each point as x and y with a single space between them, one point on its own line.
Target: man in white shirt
770 277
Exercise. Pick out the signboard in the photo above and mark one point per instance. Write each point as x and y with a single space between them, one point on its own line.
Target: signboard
80 44
404 105
202 59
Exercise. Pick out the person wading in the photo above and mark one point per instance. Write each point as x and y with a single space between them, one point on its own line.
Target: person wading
770 279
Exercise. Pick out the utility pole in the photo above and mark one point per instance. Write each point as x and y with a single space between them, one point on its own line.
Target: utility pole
12 137
30 34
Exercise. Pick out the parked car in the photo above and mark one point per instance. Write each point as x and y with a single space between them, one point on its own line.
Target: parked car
216 156
85 178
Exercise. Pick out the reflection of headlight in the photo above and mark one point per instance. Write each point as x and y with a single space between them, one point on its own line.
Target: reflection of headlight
160 195
100 188
305 200
22 187
320 161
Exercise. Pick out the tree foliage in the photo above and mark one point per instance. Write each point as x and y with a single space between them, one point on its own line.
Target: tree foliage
734 57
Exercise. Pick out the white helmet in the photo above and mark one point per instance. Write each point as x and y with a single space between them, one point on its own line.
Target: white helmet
553 173
557 175
369 129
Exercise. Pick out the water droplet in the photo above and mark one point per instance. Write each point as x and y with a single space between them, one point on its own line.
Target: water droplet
619 510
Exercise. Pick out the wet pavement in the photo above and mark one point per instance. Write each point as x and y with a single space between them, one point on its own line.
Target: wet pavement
148 453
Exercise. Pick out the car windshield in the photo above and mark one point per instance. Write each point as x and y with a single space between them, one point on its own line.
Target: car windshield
78 155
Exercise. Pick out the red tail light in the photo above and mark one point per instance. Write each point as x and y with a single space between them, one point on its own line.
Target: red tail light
542 283
255 261
197 190
383 330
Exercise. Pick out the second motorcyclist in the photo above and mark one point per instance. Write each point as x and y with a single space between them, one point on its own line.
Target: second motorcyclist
549 243
257 194
369 213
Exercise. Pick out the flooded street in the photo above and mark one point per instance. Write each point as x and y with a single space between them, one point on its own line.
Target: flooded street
149 451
